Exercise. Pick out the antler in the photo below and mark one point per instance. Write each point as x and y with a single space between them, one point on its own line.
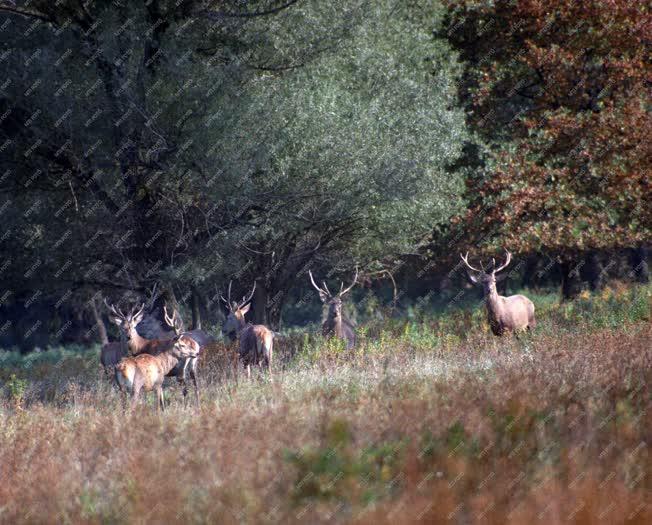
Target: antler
113 309
342 292
507 261
174 321
246 299
320 290
138 312
227 301
465 258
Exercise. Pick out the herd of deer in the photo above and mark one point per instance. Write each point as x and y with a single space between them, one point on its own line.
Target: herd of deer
143 363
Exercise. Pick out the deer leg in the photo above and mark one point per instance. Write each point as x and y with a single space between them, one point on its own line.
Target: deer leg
249 371
161 399
136 391
182 380
193 376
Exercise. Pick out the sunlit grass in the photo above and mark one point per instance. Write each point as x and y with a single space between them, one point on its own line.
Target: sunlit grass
432 420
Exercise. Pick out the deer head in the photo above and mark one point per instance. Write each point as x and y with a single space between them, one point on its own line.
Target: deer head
237 310
486 278
185 347
126 322
334 302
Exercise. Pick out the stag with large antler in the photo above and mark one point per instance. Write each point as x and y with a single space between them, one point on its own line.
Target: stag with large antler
138 344
506 314
336 323
256 340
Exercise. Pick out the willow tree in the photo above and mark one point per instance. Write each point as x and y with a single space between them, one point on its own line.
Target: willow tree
192 142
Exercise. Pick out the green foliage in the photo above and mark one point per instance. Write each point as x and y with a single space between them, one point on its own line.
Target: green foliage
337 471
183 149
16 389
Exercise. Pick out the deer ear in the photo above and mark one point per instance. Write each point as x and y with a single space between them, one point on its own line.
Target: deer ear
116 320
501 277
323 296
245 308
137 319
475 279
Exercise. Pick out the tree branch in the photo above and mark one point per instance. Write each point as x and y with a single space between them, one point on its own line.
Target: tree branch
13 10
219 15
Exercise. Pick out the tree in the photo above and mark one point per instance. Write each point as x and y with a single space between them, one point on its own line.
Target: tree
190 143
560 92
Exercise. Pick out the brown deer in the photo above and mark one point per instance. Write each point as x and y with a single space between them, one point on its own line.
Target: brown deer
146 371
256 340
137 344
336 324
506 314
111 354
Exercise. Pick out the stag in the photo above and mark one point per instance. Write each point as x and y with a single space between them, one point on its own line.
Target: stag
506 314
336 323
256 340
146 371
137 344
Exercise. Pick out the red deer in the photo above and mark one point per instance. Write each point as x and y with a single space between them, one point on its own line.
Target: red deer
111 354
256 340
140 345
146 371
336 323
506 314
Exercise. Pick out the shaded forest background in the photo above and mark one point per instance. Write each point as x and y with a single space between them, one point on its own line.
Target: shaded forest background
177 145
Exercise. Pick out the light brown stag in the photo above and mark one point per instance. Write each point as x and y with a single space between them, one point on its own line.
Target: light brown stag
137 344
146 372
506 314
336 324
256 341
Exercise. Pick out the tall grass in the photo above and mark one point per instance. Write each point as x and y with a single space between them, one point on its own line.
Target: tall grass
428 420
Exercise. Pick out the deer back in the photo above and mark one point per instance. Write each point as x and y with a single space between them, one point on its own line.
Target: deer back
112 352
255 343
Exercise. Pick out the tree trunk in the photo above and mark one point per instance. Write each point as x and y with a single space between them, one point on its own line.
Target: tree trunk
259 304
570 280
101 327
274 310
529 273
594 271
640 268
196 313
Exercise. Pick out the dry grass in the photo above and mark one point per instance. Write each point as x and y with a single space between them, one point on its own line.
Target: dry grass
553 428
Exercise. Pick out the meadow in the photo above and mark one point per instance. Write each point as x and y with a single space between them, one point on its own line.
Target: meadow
429 419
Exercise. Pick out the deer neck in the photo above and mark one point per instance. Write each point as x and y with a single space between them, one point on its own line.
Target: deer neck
137 343
336 324
168 361
494 304
242 324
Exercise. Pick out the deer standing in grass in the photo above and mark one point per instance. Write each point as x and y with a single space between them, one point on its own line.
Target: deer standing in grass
506 314
336 323
146 371
256 340
140 345
111 354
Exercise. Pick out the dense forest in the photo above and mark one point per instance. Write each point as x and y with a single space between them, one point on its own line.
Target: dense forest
161 149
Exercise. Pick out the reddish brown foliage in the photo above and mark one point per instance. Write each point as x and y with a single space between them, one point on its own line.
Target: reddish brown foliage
569 83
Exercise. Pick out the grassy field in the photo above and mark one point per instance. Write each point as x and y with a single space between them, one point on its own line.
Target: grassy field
431 419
